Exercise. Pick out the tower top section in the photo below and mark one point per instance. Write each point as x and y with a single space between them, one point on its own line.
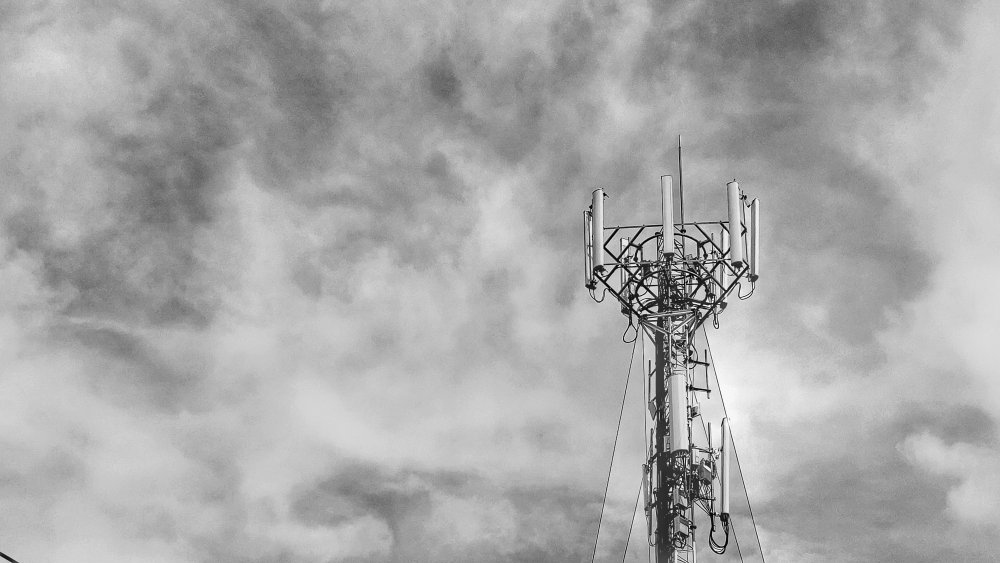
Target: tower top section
704 262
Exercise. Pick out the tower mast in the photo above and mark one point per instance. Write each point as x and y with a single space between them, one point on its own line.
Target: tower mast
672 277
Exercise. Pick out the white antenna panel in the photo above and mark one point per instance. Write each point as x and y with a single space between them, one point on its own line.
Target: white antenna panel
597 231
723 269
725 469
735 225
754 239
678 401
667 213
625 259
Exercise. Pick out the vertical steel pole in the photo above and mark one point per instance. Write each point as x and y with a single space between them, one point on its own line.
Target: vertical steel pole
664 493
680 180
662 500
680 188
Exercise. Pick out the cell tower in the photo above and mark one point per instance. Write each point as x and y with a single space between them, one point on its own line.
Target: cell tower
671 278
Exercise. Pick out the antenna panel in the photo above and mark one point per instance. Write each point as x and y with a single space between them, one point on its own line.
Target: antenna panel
667 213
677 395
754 239
723 269
588 269
725 469
597 231
736 255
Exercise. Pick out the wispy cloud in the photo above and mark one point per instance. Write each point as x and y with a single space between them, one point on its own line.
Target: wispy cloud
300 281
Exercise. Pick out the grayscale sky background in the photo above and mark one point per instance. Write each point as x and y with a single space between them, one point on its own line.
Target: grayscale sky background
301 281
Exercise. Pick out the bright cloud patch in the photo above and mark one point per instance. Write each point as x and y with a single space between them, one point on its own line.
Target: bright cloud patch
973 470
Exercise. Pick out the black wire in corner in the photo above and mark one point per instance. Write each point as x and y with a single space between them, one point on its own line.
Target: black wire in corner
7 557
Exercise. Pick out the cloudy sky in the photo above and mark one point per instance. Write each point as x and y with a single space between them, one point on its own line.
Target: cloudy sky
301 281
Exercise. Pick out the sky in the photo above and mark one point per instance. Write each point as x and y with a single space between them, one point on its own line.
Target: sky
302 281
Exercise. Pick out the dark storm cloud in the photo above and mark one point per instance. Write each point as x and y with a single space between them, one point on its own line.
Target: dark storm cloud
307 82
966 423
770 48
129 370
442 81
411 502
187 98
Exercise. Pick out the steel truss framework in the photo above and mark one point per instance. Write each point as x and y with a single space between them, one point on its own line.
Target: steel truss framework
669 295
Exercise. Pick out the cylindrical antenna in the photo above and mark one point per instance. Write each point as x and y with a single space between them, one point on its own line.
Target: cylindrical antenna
667 212
680 180
754 239
724 473
736 255
626 272
677 398
588 268
723 269
597 231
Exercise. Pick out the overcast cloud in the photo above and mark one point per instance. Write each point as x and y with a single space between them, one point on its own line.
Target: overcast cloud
301 281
